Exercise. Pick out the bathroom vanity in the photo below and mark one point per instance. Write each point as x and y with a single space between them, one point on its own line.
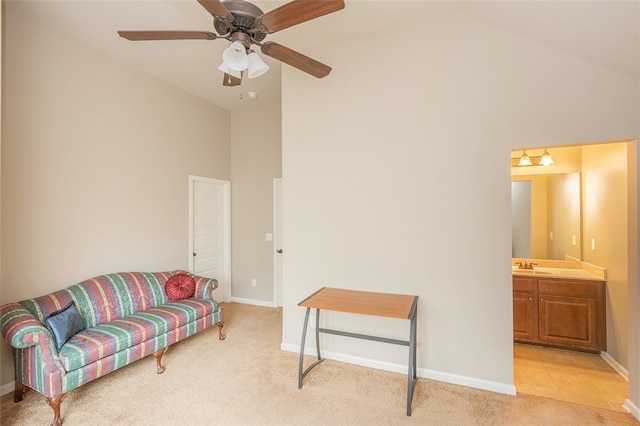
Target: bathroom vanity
560 307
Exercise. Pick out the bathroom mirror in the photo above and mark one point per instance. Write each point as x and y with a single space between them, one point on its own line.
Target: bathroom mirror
546 214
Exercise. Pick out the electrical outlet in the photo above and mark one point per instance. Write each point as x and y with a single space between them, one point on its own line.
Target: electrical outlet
550 235
573 240
254 283
593 244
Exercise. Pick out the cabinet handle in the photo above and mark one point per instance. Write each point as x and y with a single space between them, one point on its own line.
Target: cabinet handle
541 299
530 298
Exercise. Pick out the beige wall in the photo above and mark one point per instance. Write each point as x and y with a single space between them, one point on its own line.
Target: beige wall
605 219
256 159
95 164
633 302
1 86
398 180
564 212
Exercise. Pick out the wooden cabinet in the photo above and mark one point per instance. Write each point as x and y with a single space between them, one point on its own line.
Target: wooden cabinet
564 313
525 316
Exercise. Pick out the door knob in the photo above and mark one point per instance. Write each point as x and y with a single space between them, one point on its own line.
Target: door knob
279 251
194 254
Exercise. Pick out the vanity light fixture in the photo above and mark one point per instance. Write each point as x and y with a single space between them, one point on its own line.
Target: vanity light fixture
524 159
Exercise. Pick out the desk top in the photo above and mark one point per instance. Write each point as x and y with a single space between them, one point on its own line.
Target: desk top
400 306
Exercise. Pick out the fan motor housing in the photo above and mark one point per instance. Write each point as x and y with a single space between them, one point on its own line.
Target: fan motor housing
244 16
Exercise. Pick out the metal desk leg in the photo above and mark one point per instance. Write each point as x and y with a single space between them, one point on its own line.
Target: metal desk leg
318 333
301 373
412 373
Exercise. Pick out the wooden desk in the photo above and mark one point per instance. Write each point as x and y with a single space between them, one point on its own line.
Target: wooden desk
365 303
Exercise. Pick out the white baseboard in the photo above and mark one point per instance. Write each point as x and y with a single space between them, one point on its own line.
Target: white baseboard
7 388
614 364
253 302
399 368
632 408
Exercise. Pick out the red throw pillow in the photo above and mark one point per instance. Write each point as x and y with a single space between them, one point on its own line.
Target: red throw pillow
180 286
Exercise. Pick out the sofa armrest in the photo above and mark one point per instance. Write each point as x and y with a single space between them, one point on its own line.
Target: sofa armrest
21 329
36 361
204 287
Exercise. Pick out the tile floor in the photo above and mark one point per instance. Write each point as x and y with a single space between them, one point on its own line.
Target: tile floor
577 377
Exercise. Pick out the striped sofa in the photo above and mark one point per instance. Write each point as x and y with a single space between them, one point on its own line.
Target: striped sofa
126 317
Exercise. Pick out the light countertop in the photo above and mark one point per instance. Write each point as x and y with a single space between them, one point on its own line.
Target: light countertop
559 269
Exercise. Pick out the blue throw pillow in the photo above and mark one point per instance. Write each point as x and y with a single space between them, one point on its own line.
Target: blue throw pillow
64 323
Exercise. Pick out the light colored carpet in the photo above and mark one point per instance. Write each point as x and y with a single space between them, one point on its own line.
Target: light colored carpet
248 380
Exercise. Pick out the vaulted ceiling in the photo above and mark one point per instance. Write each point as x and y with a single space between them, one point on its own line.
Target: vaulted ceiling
602 32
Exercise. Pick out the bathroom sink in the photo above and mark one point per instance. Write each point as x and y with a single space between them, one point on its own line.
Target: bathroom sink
530 272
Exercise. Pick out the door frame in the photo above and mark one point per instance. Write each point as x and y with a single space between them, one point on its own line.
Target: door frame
277 243
225 281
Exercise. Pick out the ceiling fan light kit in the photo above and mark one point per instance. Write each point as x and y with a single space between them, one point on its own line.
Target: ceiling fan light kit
244 24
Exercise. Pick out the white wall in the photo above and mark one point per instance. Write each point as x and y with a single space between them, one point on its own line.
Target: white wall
95 164
256 159
398 179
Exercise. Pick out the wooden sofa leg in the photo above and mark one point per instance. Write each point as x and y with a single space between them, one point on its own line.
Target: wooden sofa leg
18 393
19 388
158 356
221 335
54 403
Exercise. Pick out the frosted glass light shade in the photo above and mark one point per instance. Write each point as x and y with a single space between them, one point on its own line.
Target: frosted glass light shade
233 73
257 67
525 160
546 159
235 56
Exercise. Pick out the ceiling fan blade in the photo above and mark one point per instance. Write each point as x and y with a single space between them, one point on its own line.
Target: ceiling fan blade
295 59
167 35
216 9
296 12
230 80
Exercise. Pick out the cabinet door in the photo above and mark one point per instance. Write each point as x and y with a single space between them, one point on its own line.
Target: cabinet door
568 321
524 321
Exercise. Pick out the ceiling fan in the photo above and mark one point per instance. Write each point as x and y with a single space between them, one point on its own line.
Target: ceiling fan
244 24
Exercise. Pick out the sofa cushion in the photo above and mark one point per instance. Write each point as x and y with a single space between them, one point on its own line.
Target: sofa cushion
106 297
64 323
180 286
105 339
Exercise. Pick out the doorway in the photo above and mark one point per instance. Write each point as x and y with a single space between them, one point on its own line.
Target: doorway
210 232
612 172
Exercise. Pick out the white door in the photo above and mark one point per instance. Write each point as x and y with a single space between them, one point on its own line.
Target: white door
209 232
278 250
